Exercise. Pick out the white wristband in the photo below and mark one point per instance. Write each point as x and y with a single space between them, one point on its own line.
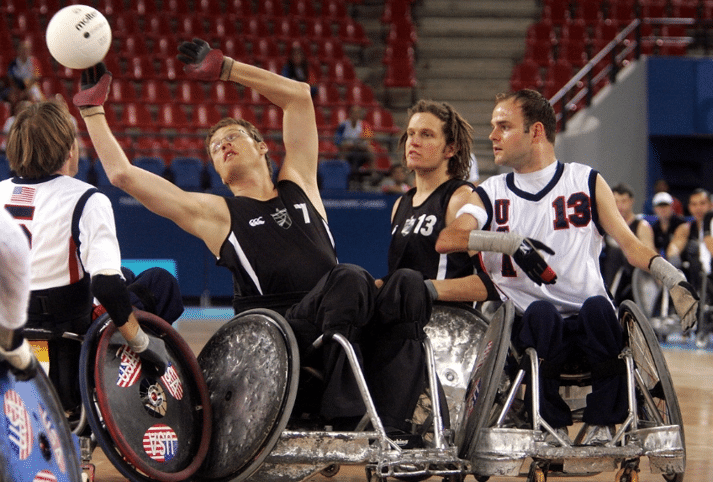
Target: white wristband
476 211
499 242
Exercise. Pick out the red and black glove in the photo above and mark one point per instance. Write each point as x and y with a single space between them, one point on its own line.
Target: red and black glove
95 84
203 62
529 259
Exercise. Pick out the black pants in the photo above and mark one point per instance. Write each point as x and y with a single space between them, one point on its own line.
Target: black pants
596 332
385 327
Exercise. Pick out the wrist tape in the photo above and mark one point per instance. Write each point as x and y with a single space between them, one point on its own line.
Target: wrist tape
665 272
226 68
499 242
90 111
140 342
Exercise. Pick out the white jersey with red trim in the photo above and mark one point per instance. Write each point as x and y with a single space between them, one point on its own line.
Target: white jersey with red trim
44 208
563 215
14 273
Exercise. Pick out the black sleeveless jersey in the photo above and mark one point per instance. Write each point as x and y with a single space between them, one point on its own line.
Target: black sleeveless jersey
414 231
282 245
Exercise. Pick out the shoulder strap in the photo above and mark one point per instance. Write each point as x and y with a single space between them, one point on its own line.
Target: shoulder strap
77 214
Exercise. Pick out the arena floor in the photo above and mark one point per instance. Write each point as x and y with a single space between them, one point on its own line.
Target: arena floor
691 369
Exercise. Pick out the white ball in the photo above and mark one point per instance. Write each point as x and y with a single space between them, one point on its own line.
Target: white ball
78 36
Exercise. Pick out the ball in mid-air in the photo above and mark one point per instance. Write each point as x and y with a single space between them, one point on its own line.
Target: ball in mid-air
78 36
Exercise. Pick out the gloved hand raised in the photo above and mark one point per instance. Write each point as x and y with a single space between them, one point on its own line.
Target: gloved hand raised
203 62
95 84
528 258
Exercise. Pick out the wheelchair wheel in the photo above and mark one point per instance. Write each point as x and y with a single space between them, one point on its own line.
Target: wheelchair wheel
484 381
651 365
455 333
37 443
251 366
149 429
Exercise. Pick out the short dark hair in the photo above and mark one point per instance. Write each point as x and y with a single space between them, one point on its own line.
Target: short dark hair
535 108
623 188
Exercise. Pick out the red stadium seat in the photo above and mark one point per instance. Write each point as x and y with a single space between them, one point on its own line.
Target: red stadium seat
358 93
575 30
122 91
400 74
270 8
209 8
271 119
352 32
334 10
287 29
684 8
143 7
541 32
190 92
339 114
189 26
125 23
402 29
327 149
206 115
223 28
265 48
381 120
541 53
341 72
24 22
557 76
137 115
172 7
526 75
590 12
49 7
399 50
155 91
157 24
318 30
556 11
573 51
253 97
140 68
321 120
223 93
330 49
134 45
164 46
239 8
170 68
395 10
327 95
235 48
302 9
245 112
171 116
51 86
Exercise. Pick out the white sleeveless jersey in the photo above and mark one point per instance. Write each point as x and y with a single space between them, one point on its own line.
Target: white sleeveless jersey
563 216
44 209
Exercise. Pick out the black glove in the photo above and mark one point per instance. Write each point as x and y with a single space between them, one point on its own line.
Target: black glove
27 373
529 259
202 62
155 357
95 84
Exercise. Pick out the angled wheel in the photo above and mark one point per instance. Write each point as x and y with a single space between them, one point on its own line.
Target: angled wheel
484 381
650 363
149 429
251 366
36 443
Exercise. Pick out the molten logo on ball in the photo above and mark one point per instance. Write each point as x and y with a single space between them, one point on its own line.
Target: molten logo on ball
78 36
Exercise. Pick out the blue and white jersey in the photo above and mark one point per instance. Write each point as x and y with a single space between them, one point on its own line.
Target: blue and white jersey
563 215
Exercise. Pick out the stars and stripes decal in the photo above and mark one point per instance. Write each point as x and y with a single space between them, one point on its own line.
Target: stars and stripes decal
160 443
18 428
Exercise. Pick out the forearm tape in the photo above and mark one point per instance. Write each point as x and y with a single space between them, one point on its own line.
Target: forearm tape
111 292
499 242
665 272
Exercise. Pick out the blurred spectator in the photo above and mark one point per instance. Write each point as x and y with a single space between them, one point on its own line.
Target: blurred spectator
353 138
16 109
662 186
688 248
616 270
397 181
24 73
297 67
667 221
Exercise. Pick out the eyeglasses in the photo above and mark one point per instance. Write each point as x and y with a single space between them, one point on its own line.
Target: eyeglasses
230 137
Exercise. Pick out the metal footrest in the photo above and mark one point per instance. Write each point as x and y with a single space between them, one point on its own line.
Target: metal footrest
420 463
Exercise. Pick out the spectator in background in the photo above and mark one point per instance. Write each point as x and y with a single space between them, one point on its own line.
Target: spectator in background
667 221
397 181
616 270
24 73
662 186
353 138
297 67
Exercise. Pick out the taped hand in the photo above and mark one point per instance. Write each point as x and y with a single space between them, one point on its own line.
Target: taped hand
529 259
685 300
155 357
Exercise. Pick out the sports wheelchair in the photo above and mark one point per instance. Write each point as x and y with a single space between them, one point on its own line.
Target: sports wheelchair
150 428
491 436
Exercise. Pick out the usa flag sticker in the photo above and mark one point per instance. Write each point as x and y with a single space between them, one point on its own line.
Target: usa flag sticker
53 436
129 367
172 382
18 428
160 443
44 476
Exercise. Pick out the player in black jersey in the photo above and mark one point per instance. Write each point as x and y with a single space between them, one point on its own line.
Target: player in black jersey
437 147
274 237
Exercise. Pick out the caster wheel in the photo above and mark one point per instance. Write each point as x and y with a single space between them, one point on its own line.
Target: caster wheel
330 471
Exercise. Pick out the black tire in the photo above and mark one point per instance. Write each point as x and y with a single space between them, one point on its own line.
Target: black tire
651 364
115 435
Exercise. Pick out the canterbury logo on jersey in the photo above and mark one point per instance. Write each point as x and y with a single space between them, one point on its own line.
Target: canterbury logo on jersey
282 218
256 221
